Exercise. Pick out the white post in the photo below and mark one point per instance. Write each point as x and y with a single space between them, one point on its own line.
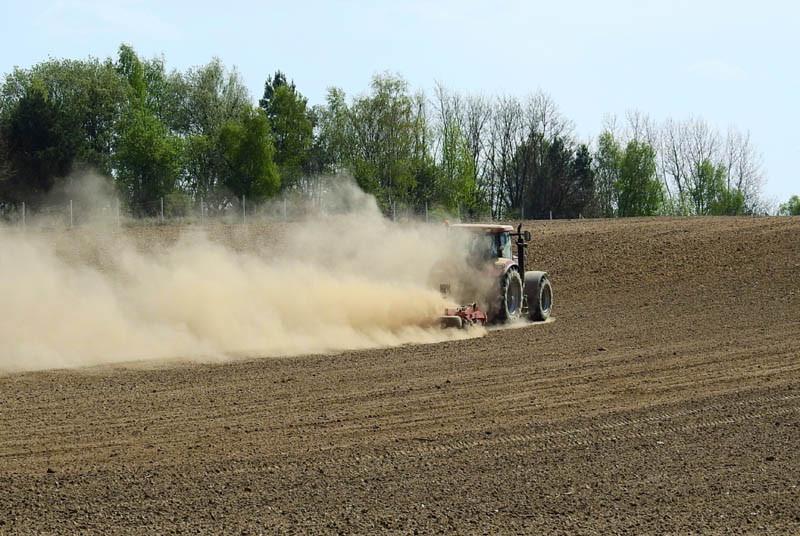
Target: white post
162 209
284 208
426 212
70 213
23 214
119 218
551 214
202 209
244 210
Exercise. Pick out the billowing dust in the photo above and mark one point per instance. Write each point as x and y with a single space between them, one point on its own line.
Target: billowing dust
347 280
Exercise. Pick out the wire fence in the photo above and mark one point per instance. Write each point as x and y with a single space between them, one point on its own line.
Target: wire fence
180 210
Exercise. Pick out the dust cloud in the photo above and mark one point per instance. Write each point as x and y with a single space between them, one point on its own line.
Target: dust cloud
95 295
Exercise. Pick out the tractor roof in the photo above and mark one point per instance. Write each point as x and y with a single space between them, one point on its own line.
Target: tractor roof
488 228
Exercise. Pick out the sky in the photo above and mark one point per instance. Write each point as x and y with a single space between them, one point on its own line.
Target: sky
733 63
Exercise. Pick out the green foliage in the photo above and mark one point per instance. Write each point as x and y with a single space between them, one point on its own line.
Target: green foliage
182 136
158 134
707 181
382 139
270 86
177 205
728 202
42 143
557 177
292 128
146 154
85 100
213 96
638 190
202 166
456 188
332 145
710 195
246 147
791 207
380 149
209 99
167 95
5 165
607 162
583 181
146 158
130 68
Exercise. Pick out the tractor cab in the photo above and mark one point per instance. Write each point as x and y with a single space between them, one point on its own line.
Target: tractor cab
488 242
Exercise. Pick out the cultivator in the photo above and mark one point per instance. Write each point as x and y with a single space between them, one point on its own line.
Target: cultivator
464 316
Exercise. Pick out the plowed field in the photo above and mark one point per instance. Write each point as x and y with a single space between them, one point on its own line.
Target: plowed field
664 398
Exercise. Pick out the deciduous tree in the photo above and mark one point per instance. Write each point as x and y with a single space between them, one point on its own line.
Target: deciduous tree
42 145
292 128
607 162
791 207
247 150
146 160
639 192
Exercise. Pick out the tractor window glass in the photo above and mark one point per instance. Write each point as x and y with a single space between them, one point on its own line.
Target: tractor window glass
482 248
504 245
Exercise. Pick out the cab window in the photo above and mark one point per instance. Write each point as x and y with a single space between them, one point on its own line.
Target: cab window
504 245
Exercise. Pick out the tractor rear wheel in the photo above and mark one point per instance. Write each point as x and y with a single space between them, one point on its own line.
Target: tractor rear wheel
539 294
510 297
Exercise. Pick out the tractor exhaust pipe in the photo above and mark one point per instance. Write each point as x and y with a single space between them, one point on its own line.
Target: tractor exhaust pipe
521 245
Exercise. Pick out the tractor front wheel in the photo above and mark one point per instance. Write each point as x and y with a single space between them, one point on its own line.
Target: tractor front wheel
510 297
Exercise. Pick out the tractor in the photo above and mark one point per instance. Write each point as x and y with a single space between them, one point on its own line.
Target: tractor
505 291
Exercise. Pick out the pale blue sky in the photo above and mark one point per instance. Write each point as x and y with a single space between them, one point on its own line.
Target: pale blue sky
731 62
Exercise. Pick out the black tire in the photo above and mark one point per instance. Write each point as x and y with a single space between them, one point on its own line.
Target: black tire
510 297
540 299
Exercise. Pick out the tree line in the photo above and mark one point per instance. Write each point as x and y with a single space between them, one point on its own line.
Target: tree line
197 135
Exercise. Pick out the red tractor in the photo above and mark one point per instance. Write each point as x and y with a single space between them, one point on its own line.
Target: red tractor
504 291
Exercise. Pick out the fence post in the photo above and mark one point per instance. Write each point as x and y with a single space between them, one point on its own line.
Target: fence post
551 214
70 214
162 210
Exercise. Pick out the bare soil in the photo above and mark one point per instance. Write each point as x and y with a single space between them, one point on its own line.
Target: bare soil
665 398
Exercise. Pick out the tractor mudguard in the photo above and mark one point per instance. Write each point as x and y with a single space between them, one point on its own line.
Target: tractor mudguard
531 284
502 266
533 275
